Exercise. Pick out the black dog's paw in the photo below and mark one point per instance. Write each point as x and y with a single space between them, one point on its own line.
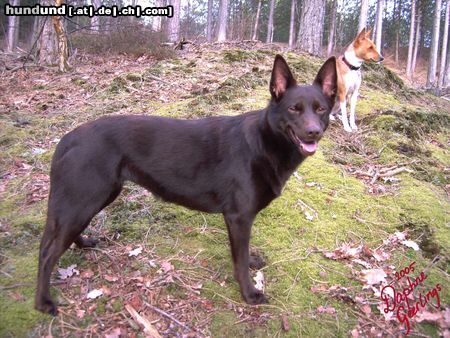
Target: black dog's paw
86 242
255 297
47 306
256 262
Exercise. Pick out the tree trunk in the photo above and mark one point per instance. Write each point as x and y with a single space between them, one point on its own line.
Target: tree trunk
397 30
379 24
223 20
48 52
444 46
432 62
35 33
95 20
269 38
63 51
309 37
411 40
292 25
157 20
363 15
416 42
447 70
255 29
209 21
173 27
332 28
13 28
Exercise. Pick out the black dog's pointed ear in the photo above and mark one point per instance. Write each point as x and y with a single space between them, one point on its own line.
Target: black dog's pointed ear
282 78
326 79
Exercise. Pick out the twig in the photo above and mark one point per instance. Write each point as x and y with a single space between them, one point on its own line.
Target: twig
395 172
148 327
165 314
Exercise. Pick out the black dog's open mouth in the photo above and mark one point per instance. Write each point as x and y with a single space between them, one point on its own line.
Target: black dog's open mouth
306 148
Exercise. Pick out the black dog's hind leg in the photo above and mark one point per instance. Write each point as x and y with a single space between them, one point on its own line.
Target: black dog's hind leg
239 228
66 220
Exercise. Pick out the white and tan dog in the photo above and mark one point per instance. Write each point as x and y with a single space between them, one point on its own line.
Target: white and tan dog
349 75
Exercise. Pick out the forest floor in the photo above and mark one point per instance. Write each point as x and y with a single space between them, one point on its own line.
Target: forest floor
365 206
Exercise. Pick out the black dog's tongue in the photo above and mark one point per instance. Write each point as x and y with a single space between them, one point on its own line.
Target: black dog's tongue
309 148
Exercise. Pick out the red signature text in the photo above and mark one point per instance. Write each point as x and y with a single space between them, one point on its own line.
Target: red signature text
399 301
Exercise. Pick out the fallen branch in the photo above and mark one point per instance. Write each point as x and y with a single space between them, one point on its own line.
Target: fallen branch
395 172
165 314
148 327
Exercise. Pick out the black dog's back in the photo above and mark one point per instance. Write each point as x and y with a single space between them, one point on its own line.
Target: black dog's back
187 162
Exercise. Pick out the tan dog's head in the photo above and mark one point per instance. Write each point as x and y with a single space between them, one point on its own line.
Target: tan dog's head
365 48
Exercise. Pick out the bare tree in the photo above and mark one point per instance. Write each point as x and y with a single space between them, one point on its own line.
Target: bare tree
432 62
173 26
47 45
13 29
363 15
310 30
255 29
157 20
95 20
416 42
411 39
379 24
61 36
332 28
444 46
209 21
269 38
223 20
447 70
292 25
398 15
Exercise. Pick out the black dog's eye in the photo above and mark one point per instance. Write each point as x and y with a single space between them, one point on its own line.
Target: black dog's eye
321 110
293 110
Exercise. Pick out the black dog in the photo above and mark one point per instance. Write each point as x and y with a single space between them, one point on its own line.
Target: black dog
230 165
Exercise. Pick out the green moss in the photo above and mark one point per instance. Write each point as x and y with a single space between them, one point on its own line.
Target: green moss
238 55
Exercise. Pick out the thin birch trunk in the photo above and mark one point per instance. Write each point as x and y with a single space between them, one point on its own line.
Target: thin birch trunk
292 25
432 62
209 21
332 28
444 46
411 40
416 42
363 15
13 29
255 29
223 20
379 24
269 37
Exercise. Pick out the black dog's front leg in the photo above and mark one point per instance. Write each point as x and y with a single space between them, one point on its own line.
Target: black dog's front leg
239 228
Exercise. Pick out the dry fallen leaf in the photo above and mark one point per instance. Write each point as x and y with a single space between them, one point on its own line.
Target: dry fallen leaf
259 279
87 273
110 278
115 333
373 276
411 244
135 252
326 309
166 266
94 294
68 272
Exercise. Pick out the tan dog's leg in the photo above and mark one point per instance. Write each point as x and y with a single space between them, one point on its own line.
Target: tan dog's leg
345 116
353 100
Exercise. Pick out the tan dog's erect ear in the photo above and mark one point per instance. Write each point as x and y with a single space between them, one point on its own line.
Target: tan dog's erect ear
368 33
282 78
326 79
361 34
